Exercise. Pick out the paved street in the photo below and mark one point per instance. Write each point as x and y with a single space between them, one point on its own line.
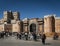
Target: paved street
12 41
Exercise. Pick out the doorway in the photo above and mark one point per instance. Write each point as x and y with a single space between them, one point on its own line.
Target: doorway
33 27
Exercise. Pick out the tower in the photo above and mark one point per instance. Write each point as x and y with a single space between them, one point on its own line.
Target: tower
8 16
6 13
16 16
49 24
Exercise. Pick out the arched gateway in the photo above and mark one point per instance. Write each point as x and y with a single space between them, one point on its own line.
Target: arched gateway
33 27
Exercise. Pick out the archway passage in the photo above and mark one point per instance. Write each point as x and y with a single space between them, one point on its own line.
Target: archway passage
33 27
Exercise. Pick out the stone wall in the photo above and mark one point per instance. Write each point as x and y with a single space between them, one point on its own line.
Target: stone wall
1 27
49 24
57 25
15 27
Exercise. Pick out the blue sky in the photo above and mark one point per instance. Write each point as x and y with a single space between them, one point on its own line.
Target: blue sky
31 8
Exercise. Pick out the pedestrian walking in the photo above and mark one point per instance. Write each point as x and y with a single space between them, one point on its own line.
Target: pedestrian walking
43 38
26 35
34 36
19 35
55 36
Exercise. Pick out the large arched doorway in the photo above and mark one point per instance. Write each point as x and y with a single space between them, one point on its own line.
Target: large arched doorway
33 27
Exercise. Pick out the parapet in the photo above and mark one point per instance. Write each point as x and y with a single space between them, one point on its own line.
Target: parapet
49 15
57 17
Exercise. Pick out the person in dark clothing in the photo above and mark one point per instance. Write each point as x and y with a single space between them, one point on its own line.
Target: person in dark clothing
2 35
55 37
19 35
43 38
26 36
34 36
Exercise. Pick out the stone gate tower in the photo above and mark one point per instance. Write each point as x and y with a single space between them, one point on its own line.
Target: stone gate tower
49 24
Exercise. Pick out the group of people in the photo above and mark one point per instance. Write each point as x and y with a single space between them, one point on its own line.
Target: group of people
28 36
31 36
5 34
34 36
